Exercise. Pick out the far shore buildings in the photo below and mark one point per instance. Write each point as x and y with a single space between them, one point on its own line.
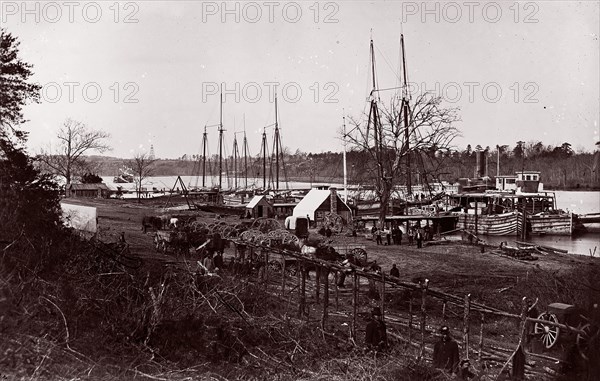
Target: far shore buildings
100 190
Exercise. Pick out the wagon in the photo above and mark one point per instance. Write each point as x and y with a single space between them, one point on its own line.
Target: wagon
353 252
165 240
566 314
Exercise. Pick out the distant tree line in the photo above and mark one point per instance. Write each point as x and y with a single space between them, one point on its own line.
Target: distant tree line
561 167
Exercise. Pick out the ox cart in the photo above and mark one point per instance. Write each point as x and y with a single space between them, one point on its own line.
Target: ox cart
570 316
354 253
175 241
339 254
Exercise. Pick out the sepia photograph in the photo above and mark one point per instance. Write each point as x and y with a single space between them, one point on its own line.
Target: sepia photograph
300 190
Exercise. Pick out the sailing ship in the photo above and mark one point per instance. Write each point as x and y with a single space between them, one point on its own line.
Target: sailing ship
125 176
232 199
412 197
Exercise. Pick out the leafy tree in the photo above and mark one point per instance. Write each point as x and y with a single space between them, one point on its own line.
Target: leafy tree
519 150
28 200
75 140
564 151
15 91
91 178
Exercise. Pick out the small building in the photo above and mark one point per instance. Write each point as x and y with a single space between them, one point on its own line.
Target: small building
521 182
506 183
100 190
284 209
258 207
319 202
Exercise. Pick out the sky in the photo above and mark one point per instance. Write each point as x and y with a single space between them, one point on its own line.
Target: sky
150 72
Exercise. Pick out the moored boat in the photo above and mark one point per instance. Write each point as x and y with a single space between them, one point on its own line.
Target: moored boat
508 223
554 223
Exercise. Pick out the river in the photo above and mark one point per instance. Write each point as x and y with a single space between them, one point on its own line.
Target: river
574 201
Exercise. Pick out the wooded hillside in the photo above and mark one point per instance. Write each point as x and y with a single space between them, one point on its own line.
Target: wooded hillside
561 167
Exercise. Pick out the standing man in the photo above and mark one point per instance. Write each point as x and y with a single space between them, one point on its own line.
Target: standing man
445 352
419 237
378 234
376 335
394 271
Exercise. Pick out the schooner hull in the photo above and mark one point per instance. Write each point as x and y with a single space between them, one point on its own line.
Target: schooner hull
496 224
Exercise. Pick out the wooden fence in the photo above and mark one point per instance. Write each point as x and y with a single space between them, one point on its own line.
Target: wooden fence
473 312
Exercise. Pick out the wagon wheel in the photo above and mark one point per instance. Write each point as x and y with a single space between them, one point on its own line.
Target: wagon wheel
291 269
274 266
229 233
265 224
335 222
548 333
583 339
359 254
291 239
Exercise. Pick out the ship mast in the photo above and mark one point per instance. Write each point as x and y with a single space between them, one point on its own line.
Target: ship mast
276 148
221 143
377 128
406 110
264 155
345 167
204 142
245 156
235 160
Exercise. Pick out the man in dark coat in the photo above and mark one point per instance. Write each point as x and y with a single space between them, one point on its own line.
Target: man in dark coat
394 271
376 335
445 352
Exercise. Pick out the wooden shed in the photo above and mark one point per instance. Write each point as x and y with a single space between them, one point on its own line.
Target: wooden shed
88 190
258 207
319 202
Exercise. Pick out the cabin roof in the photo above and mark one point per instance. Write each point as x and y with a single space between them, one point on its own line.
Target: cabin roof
88 186
311 202
255 201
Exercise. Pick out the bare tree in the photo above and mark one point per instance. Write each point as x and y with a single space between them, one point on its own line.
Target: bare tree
142 166
75 140
401 138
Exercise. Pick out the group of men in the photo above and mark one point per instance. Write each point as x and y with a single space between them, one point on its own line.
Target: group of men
445 352
394 236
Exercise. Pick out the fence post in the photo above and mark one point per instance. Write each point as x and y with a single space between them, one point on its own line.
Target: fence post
444 311
410 318
382 292
266 272
481 336
519 351
282 275
355 285
302 290
325 272
318 283
337 305
424 286
466 324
